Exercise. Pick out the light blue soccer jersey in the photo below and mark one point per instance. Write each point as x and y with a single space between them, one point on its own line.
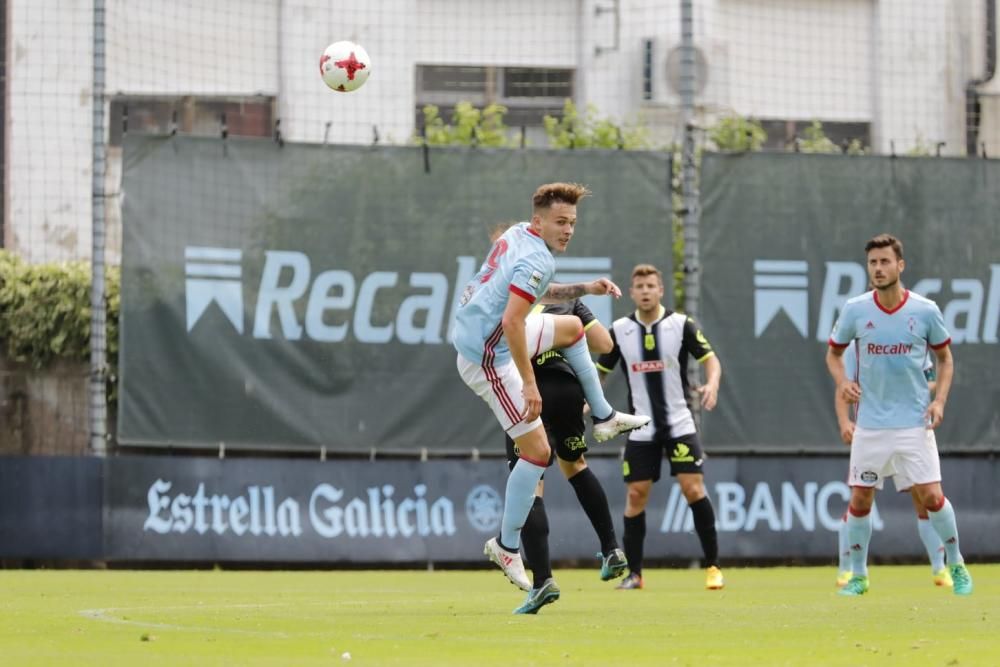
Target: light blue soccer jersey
519 262
892 350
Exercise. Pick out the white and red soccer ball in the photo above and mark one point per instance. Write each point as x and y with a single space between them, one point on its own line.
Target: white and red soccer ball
345 66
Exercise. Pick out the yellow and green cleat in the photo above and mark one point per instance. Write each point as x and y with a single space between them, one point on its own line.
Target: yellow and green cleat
843 577
943 578
714 580
857 585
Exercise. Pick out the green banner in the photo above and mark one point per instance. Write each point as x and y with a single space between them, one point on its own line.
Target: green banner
783 247
300 296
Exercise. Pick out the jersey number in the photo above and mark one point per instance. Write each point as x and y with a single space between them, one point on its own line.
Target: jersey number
499 248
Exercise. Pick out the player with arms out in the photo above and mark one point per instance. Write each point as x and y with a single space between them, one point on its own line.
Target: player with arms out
496 341
896 418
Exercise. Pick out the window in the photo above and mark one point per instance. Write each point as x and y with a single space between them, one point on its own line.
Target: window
246 117
781 134
529 93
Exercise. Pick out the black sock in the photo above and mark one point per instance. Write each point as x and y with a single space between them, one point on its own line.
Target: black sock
594 502
635 535
704 525
535 541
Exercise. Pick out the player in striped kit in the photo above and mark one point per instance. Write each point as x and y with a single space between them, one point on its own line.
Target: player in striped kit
496 341
652 346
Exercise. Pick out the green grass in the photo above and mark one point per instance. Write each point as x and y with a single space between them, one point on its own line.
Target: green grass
780 616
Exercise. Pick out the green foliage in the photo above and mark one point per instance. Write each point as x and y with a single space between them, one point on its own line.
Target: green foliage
856 147
814 140
589 130
45 313
469 126
677 229
920 148
738 134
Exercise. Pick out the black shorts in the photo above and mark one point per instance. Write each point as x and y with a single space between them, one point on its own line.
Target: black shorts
643 459
562 416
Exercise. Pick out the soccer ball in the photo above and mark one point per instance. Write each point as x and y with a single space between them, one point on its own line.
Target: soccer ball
345 66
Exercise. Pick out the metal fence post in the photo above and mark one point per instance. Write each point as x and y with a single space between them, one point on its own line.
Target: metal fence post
689 185
98 312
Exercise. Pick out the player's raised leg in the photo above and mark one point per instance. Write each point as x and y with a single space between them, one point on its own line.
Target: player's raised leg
569 338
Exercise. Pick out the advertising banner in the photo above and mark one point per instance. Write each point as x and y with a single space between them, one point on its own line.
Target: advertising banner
782 249
180 509
301 296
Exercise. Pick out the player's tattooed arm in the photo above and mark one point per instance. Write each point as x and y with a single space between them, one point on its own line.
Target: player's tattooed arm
559 292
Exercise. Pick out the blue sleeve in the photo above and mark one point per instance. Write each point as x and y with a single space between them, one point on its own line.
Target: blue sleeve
937 332
531 276
844 331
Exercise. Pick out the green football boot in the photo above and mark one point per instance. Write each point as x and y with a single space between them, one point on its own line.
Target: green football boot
856 586
537 598
961 580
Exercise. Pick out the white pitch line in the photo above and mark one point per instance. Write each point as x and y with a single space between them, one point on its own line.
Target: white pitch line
106 615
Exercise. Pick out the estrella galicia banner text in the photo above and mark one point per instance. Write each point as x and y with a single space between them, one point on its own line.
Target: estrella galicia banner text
255 510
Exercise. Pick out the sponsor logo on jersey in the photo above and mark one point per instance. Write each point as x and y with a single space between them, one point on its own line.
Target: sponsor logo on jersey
894 349
648 366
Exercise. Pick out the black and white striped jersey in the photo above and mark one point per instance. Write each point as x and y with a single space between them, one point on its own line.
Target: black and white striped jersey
654 358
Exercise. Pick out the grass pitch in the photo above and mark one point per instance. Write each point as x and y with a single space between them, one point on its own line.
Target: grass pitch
779 616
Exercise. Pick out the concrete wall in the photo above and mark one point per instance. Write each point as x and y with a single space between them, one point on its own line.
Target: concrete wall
43 412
